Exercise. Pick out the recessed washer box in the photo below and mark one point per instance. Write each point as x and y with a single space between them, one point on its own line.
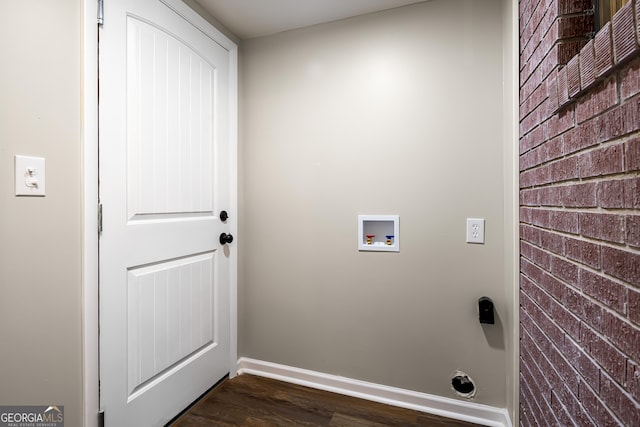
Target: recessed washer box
379 233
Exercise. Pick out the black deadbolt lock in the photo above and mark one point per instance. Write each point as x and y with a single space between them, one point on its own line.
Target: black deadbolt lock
225 238
223 216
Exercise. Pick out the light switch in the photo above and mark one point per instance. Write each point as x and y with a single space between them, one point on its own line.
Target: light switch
30 176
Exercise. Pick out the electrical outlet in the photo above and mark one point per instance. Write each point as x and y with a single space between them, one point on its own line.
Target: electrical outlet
475 230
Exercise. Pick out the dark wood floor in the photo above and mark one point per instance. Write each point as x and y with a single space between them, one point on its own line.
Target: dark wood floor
248 400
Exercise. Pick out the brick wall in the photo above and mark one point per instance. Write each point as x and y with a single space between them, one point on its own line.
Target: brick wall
579 215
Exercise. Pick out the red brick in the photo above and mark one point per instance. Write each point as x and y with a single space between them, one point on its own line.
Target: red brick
579 195
541 258
567 321
632 153
618 121
565 270
542 175
630 78
529 122
634 306
551 196
607 356
587 65
563 86
552 286
534 139
528 160
566 7
596 409
529 197
624 335
633 230
530 234
567 49
585 365
573 76
573 300
540 389
633 379
549 151
567 372
552 334
600 98
526 414
637 20
530 270
564 221
592 315
611 194
552 88
553 374
563 169
602 161
536 294
631 112
603 50
579 414
536 176
622 264
560 410
583 252
540 217
608 292
618 400
552 242
632 193
624 33
525 251
607 227
527 179
539 22
554 148
581 137
529 407
538 96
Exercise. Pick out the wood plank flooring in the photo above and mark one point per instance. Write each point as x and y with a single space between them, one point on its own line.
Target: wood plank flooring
249 400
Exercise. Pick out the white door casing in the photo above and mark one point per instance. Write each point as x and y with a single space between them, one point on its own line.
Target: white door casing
167 169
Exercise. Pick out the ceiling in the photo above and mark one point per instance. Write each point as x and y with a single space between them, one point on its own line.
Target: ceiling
256 18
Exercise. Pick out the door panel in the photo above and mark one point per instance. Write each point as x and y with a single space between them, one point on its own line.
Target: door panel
170 317
171 163
165 173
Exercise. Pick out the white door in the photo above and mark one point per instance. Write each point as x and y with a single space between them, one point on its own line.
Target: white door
167 155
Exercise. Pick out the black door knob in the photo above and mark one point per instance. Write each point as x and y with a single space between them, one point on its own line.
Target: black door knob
224 216
225 238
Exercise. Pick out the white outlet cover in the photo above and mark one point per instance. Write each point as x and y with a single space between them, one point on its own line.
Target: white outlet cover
30 176
475 230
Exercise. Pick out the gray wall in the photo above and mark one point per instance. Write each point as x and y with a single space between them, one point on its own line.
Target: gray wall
398 112
40 246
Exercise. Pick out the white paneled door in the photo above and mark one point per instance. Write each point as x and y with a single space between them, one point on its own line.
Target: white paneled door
167 171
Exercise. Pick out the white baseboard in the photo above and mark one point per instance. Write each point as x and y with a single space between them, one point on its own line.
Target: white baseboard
432 404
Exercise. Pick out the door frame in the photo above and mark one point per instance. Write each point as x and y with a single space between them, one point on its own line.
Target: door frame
89 161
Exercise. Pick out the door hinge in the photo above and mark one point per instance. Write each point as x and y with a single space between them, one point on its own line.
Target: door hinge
100 12
101 419
99 219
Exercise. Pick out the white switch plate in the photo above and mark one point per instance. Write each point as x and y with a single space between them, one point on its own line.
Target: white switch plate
475 230
30 176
